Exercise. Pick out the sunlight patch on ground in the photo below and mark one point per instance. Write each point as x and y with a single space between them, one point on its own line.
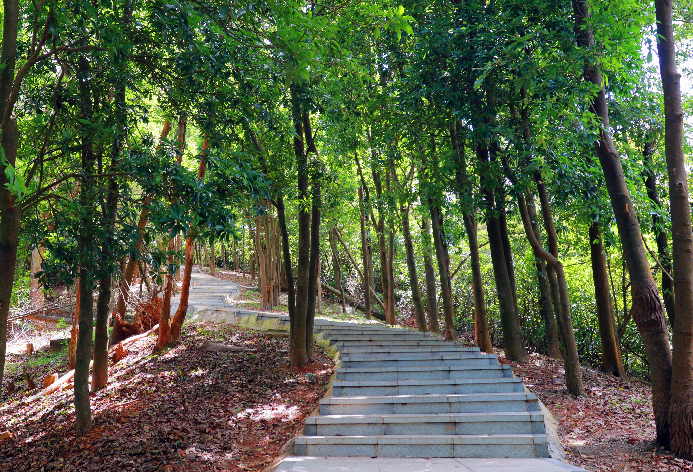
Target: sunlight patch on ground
271 412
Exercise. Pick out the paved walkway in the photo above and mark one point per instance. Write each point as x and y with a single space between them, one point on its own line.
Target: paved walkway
399 394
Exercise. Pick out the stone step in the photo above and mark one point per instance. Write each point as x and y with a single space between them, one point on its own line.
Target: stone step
500 445
351 388
386 350
423 424
379 336
412 361
415 354
425 373
358 330
430 404
394 343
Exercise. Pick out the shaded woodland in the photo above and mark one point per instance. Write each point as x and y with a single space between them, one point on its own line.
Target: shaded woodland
512 170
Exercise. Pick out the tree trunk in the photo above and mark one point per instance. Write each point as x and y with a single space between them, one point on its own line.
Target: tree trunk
128 274
36 291
507 248
10 213
72 343
512 336
411 268
443 271
481 332
177 321
392 313
573 378
431 290
647 308
337 268
373 295
83 421
299 356
553 348
661 237
611 354
681 406
367 261
314 274
99 377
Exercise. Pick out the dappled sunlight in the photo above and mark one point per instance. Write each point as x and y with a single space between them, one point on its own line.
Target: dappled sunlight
272 412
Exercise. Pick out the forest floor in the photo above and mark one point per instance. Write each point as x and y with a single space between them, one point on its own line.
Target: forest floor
195 410
610 428
188 408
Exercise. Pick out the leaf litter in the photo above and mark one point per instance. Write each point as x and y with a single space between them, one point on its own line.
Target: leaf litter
185 409
610 428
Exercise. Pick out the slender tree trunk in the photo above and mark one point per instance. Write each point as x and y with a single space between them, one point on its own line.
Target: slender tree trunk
314 275
507 249
481 332
117 334
661 237
573 378
299 356
647 308
431 290
164 338
553 347
512 336
10 213
367 262
443 271
83 419
177 321
681 406
337 268
413 276
392 314
286 252
611 354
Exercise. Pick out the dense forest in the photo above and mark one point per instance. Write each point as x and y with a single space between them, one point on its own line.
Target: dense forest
516 170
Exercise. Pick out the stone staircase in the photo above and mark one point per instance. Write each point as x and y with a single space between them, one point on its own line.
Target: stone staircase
399 393
401 400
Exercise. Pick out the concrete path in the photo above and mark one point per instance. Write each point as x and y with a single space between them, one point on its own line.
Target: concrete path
404 401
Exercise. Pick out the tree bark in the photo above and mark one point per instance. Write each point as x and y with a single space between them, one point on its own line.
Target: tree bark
443 271
299 356
179 317
681 406
660 234
367 261
647 308
553 347
413 276
611 353
573 378
314 261
431 289
512 336
481 332
10 213
337 268
83 421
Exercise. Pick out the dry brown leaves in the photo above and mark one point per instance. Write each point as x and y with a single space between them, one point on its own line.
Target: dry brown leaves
186 409
610 428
